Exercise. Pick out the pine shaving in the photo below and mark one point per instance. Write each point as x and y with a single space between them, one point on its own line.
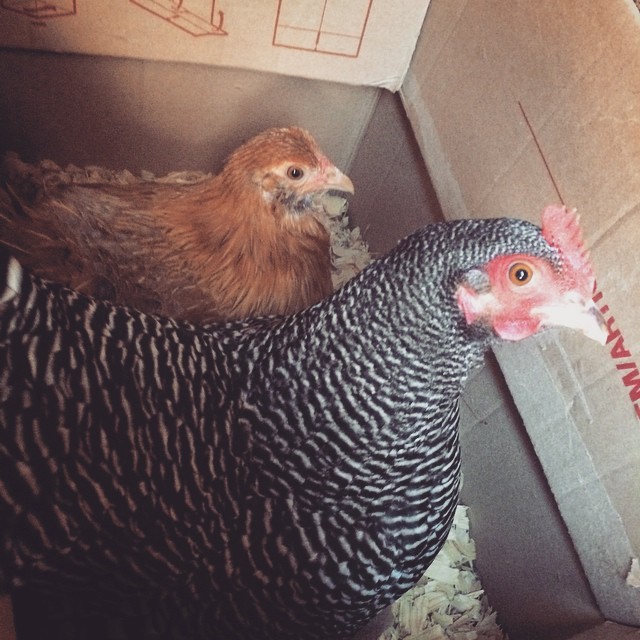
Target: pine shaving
349 252
448 603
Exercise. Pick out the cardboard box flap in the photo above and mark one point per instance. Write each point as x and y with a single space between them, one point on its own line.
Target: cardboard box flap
585 489
363 42
516 106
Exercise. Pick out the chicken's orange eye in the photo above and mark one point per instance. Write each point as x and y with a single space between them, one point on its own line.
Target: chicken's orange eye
520 273
295 173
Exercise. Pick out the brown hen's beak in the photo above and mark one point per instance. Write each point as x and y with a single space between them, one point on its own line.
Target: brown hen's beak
332 179
582 316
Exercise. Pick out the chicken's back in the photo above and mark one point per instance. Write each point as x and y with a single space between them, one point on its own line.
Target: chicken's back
104 240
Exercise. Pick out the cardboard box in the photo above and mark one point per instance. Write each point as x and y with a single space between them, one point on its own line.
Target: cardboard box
360 42
513 105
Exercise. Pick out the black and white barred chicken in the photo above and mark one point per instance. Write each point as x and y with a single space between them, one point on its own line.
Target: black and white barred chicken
277 478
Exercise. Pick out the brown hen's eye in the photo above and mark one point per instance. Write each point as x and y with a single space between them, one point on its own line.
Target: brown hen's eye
295 173
520 273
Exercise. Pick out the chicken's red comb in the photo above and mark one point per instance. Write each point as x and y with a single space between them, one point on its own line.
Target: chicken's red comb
561 229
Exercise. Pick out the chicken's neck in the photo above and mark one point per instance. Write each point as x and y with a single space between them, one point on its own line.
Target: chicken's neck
368 379
243 217
279 261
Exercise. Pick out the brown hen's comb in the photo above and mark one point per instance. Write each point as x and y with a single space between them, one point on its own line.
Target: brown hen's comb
561 229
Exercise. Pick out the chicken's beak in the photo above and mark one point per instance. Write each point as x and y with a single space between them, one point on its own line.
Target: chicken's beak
582 316
332 179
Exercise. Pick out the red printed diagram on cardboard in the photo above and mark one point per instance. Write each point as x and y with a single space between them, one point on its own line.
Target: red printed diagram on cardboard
41 9
196 17
325 26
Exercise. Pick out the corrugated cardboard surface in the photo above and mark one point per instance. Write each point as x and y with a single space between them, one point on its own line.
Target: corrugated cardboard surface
607 631
516 105
363 42
162 116
394 195
526 559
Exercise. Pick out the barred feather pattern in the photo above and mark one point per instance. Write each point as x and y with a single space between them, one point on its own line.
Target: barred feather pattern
274 478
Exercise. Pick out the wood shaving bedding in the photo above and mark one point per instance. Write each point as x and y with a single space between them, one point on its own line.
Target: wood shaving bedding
448 603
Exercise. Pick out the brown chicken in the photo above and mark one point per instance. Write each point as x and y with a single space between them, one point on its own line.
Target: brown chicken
248 241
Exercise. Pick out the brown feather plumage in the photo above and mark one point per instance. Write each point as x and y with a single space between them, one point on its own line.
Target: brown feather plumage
245 242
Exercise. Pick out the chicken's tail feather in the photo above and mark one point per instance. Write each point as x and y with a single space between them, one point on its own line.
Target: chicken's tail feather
10 276
12 201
